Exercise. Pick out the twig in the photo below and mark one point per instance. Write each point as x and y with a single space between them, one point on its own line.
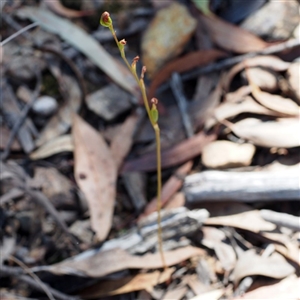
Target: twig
23 116
38 281
229 62
281 219
177 90
21 31
15 272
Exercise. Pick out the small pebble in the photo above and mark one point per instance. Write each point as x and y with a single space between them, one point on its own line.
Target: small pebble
45 106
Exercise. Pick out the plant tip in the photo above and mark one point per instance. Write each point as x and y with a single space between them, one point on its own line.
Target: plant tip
122 42
154 101
105 19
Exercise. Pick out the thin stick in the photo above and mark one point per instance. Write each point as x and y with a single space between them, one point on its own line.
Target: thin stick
38 280
21 31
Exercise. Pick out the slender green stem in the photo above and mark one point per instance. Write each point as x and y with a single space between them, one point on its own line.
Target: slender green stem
158 161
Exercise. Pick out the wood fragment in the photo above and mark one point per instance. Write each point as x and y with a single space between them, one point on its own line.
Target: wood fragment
242 186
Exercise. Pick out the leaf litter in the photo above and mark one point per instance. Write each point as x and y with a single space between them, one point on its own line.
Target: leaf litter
67 209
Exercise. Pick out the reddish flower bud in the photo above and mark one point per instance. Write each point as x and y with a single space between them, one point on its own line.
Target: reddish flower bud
105 19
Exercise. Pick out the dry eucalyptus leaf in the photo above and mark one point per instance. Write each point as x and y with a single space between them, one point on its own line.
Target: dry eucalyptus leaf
250 264
231 37
114 260
270 62
84 42
293 76
282 133
273 102
249 220
59 144
228 110
124 285
263 78
167 34
226 154
212 295
96 175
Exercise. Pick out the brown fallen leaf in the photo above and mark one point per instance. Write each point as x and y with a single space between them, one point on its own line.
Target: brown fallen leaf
96 174
270 62
183 64
122 141
114 260
251 264
282 133
58 8
173 184
127 284
231 37
274 102
178 154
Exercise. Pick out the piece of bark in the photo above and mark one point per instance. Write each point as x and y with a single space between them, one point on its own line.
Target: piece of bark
242 186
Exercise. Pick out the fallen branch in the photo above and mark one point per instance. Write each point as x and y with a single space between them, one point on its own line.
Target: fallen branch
242 186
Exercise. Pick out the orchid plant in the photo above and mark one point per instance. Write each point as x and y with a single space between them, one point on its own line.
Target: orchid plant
152 113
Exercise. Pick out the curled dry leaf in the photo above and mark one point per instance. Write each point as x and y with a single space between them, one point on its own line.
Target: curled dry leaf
60 144
229 110
114 260
248 220
58 8
273 102
96 175
264 79
231 37
250 264
293 77
282 133
270 62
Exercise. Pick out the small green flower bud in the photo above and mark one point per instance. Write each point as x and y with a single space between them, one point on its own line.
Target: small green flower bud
133 64
105 19
154 111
